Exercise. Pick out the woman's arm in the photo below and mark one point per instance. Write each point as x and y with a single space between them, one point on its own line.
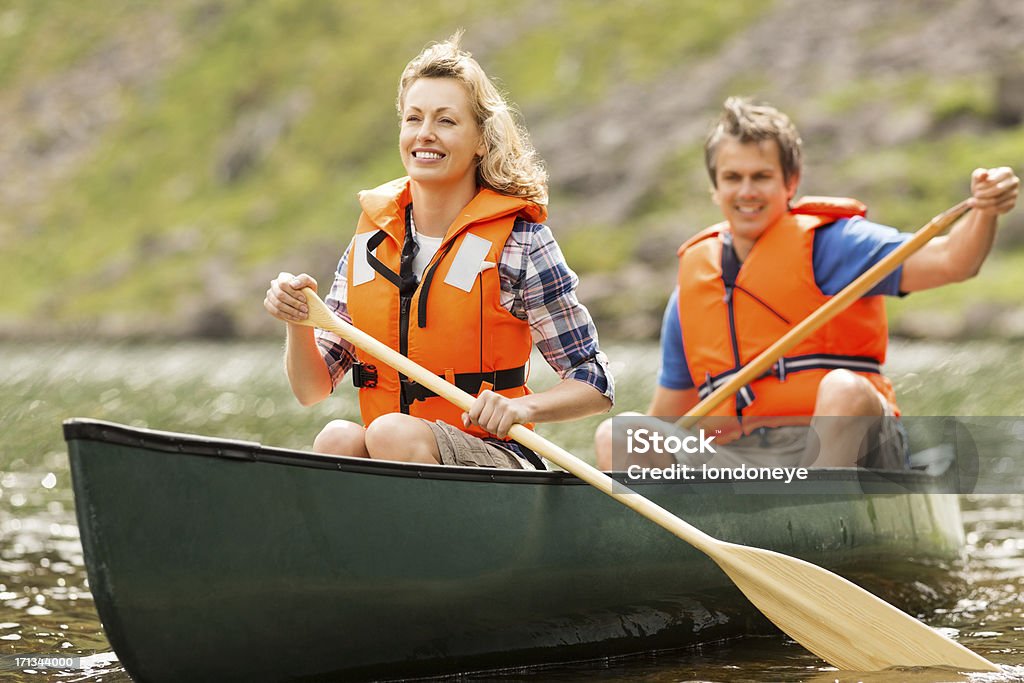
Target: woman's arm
304 365
544 291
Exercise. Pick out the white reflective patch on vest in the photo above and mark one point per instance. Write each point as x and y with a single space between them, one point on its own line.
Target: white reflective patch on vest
362 272
468 262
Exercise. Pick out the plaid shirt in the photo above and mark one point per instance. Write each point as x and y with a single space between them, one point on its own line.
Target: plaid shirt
536 286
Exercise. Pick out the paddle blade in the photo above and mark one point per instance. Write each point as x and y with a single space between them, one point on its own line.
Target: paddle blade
837 620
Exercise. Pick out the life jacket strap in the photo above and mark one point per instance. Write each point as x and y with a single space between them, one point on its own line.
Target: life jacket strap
405 280
784 366
470 382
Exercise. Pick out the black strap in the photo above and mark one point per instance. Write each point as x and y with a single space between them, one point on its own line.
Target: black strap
523 451
825 361
405 279
375 263
785 366
410 248
428 279
730 261
469 382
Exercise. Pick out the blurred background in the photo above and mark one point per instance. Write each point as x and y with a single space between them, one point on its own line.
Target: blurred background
161 162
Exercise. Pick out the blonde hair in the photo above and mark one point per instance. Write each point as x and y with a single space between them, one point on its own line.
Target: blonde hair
510 164
748 122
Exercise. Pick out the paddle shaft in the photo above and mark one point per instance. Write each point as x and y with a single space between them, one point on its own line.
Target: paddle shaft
323 317
829 310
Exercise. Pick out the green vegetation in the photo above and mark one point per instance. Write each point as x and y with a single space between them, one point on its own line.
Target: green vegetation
614 42
616 248
929 175
183 153
945 96
999 285
184 157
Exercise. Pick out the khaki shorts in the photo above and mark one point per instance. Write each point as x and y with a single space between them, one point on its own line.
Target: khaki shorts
456 447
887 448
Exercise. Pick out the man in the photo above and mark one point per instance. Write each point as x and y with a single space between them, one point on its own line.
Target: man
745 282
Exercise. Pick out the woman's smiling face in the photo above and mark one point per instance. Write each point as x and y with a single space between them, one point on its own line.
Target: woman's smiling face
440 141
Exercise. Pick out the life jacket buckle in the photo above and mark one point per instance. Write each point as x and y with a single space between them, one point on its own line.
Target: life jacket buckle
745 397
779 369
411 391
364 376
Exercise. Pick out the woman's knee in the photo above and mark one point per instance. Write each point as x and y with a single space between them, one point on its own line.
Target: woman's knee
603 445
396 436
341 437
604 438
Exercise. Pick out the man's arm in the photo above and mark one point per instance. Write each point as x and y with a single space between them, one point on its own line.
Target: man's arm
673 403
958 256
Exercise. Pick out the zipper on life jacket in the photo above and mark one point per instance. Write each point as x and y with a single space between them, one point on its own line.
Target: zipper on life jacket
406 290
729 300
402 282
405 303
730 273
405 310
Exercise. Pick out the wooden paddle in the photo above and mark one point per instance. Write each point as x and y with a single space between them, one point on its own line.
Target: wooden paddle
836 620
829 310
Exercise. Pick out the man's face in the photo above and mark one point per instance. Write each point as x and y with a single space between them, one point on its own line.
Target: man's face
751 188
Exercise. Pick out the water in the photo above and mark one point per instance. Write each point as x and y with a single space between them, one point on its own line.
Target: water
239 391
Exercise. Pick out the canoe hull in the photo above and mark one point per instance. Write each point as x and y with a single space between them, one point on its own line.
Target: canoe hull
219 560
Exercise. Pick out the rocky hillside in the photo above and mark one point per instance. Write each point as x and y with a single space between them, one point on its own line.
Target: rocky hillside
159 163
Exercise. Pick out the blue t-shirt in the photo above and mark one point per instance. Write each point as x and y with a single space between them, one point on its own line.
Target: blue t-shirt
843 251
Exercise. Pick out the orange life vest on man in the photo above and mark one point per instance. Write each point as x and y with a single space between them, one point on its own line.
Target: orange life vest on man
731 312
452 321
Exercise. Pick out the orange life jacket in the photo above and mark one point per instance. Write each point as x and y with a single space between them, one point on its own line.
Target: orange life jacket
731 312
452 322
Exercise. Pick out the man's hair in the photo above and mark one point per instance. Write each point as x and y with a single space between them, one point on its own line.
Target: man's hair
747 122
510 165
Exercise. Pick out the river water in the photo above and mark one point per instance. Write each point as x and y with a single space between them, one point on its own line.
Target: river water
239 391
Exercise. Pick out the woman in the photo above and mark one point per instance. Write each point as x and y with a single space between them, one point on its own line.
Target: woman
452 267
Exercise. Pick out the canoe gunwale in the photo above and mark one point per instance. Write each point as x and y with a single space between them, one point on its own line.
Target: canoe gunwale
88 429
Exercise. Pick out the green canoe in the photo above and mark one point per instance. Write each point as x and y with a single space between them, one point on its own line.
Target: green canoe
222 560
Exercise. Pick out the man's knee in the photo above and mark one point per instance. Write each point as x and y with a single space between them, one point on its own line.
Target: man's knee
842 392
341 437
